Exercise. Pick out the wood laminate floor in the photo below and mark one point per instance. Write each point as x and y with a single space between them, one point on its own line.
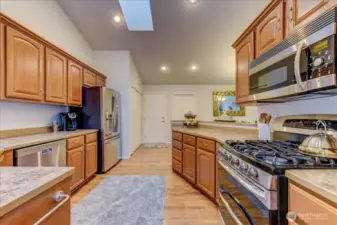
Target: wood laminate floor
183 205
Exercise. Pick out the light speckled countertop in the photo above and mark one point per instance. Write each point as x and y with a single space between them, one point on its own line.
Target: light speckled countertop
220 135
28 140
320 181
20 184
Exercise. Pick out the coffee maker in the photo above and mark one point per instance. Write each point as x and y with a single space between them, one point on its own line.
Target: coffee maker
68 121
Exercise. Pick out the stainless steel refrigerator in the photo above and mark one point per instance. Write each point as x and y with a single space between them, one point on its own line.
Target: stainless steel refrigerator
101 110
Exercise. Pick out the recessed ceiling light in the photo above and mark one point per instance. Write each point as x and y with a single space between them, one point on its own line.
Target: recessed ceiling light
117 19
164 68
193 1
194 67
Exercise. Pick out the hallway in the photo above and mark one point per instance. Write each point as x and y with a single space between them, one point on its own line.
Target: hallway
183 204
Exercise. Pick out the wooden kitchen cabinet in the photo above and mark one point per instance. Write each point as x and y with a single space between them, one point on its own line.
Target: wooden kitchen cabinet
206 172
6 158
56 77
76 158
89 78
33 210
244 55
299 12
189 163
75 72
24 67
90 159
270 30
100 81
310 208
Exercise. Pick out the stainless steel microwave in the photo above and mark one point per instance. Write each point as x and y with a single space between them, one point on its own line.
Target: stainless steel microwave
303 66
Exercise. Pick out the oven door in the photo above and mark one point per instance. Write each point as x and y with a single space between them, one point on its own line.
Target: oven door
240 201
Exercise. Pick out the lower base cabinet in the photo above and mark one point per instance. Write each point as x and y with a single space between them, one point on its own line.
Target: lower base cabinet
75 158
189 163
33 210
206 172
90 159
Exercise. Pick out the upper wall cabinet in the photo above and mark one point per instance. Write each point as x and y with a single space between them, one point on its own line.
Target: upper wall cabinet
56 77
75 72
270 30
299 12
244 55
89 78
100 81
24 67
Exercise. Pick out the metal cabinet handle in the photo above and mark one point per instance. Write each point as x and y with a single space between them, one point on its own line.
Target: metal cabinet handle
57 198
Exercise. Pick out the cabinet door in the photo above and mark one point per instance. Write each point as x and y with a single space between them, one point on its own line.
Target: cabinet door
75 72
89 78
90 159
100 81
299 12
206 172
189 163
56 77
244 55
75 158
24 67
270 31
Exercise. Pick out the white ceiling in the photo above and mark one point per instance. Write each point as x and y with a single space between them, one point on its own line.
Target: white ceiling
183 34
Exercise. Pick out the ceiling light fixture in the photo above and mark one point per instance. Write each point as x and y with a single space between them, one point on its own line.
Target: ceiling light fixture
194 67
193 1
117 19
164 68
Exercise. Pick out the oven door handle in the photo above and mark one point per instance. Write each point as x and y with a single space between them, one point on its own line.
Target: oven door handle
238 204
255 190
297 66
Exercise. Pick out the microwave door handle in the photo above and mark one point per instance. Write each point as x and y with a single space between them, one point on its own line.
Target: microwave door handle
238 204
297 65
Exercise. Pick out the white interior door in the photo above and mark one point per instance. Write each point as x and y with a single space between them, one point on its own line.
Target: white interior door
154 118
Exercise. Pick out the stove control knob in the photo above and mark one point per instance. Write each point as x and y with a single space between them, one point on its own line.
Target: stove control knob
244 167
229 157
253 173
235 162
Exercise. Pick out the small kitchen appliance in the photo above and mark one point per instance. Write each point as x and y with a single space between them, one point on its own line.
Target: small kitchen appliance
101 110
253 188
68 121
302 66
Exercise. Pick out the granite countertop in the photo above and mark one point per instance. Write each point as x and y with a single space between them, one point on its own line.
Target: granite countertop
28 140
220 135
20 184
321 181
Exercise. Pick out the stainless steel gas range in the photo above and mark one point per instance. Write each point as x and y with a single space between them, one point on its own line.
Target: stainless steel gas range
253 188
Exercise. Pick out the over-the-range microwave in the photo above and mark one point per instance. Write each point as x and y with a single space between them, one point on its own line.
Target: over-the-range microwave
303 66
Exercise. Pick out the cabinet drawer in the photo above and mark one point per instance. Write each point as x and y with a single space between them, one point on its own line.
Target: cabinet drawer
206 144
75 142
190 140
177 144
177 154
177 166
177 136
90 138
34 209
89 78
6 158
304 204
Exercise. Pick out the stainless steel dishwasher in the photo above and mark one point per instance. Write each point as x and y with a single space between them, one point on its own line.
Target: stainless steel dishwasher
48 154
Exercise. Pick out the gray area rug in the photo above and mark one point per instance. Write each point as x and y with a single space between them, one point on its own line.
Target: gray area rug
123 200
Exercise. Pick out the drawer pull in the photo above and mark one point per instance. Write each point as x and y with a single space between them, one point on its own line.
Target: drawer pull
57 198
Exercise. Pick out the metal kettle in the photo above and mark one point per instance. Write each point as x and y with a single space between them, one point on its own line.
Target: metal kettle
321 144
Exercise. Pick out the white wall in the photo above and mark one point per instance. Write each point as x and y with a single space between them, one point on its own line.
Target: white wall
204 101
136 89
47 19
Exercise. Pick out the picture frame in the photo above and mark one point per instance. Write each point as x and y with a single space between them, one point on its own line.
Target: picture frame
224 102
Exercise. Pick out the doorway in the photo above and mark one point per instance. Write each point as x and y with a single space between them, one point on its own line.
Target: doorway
155 124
